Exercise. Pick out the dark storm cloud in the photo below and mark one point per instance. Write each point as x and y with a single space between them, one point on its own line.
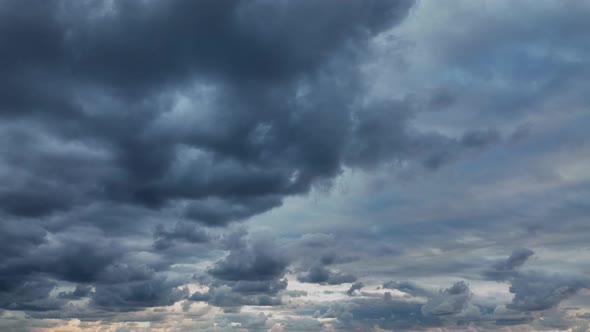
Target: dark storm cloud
260 258
135 295
266 142
214 211
87 258
71 260
27 278
31 294
319 274
17 238
78 293
313 254
165 238
252 273
195 110
133 134
253 287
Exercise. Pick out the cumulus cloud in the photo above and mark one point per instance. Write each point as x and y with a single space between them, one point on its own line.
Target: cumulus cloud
264 140
534 290
252 273
450 301
259 259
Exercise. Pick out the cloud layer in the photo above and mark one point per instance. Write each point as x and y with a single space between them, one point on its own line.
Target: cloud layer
293 165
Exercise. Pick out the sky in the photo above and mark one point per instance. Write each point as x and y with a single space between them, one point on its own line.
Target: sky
294 165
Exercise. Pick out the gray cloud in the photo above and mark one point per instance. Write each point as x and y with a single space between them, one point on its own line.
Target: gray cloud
320 274
382 311
517 258
246 138
252 273
139 294
164 238
407 287
79 292
502 270
224 296
450 301
247 163
357 286
259 259
31 294
535 291
379 140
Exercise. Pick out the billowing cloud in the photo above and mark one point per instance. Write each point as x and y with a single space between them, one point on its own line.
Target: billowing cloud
535 290
539 291
293 165
450 301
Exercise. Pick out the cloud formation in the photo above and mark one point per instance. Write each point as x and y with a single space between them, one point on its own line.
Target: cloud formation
293 165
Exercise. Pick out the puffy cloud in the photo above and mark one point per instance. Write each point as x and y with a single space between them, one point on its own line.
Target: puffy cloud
259 259
450 301
252 273
534 290
260 137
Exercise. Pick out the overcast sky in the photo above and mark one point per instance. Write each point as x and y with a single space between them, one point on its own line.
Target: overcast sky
294 165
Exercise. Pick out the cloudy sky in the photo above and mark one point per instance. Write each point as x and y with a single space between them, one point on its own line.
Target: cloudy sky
294 165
